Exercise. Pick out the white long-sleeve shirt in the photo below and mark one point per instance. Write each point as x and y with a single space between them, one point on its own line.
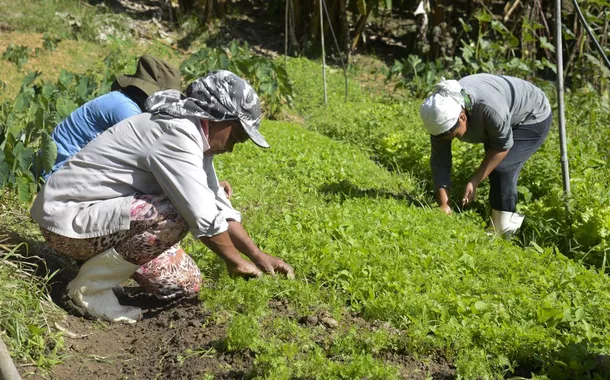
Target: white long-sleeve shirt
91 194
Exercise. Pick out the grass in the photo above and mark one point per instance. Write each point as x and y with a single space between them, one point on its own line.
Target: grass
25 313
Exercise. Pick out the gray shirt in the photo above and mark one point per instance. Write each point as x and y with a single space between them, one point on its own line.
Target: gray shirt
499 104
145 154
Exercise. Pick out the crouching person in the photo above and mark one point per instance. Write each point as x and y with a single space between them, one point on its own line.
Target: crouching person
123 203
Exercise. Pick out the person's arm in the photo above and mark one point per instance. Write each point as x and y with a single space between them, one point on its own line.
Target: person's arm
440 165
267 263
492 158
222 245
176 162
500 135
442 199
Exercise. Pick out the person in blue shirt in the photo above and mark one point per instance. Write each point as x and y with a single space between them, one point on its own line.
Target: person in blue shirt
129 92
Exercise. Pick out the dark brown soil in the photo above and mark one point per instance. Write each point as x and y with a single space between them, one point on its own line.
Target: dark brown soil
173 341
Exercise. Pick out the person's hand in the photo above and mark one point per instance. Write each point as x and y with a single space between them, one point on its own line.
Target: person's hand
227 188
445 207
272 265
243 269
469 194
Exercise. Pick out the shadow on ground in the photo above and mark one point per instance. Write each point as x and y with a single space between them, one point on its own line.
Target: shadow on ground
345 190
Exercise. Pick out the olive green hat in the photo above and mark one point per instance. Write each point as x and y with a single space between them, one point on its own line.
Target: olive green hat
152 75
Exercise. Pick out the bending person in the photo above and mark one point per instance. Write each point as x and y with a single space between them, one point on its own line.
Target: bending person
129 92
510 116
135 191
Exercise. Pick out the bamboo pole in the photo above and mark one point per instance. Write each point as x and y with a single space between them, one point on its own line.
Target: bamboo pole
323 51
8 371
565 171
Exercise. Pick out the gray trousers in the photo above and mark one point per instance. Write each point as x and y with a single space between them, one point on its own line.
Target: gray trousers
503 180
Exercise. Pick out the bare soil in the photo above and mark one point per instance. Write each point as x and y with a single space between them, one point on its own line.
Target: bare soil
171 342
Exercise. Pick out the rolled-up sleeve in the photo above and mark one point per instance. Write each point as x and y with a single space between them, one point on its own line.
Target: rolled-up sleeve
440 162
222 202
177 162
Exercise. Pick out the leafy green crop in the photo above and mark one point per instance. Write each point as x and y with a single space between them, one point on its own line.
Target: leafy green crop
361 247
392 134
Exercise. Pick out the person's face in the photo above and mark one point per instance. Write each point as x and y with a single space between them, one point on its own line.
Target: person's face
223 135
462 127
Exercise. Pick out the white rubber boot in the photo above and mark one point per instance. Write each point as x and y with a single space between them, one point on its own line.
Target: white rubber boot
91 289
506 223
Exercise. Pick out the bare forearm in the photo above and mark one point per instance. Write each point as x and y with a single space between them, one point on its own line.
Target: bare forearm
492 159
222 245
442 196
241 240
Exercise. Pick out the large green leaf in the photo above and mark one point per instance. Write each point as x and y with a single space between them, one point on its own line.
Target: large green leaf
30 78
65 107
23 157
4 172
66 78
47 152
22 102
23 189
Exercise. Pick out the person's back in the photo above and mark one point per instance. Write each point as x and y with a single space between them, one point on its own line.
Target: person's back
88 121
126 100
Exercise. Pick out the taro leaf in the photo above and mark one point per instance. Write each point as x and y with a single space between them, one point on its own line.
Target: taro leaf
24 99
65 107
4 171
23 156
48 89
66 78
23 189
47 152
83 87
30 78
21 103
39 120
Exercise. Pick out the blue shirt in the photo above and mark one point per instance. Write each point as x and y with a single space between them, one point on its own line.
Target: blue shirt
88 121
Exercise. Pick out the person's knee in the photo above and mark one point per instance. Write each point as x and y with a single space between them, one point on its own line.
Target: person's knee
185 288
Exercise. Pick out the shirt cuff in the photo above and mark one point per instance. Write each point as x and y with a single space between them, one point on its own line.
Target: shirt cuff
231 214
218 226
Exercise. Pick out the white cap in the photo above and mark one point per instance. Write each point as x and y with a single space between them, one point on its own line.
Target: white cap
441 110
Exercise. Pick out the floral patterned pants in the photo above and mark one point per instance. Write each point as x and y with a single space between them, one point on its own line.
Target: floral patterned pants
152 241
